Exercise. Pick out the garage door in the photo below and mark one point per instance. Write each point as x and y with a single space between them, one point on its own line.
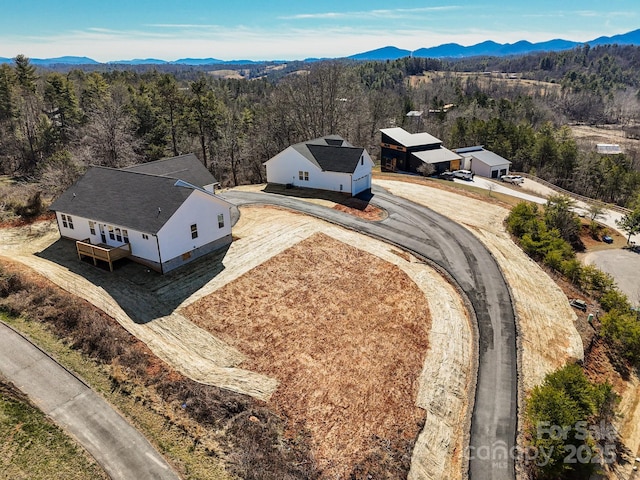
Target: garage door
360 184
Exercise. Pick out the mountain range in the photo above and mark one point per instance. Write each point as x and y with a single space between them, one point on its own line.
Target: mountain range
448 50
493 49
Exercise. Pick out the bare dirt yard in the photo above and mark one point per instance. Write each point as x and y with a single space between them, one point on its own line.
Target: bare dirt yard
151 307
343 331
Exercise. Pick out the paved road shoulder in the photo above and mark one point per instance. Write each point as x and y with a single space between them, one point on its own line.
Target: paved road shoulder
120 449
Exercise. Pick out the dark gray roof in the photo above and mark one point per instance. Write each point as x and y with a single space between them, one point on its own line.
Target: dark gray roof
184 167
331 153
129 199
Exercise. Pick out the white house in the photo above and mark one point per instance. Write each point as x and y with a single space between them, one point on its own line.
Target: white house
163 220
483 162
327 163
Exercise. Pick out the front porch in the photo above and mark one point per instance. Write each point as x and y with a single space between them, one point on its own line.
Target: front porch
101 251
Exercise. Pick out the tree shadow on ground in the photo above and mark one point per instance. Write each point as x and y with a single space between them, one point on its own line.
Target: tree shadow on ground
142 293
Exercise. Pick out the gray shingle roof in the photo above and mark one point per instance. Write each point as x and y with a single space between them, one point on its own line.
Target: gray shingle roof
130 199
331 153
184 167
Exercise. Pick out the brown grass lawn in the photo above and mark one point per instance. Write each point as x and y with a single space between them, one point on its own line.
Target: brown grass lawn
344 332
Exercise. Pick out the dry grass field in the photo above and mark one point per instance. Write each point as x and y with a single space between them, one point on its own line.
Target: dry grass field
344 332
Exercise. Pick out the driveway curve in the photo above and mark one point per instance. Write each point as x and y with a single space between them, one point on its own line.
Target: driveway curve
449 245
122 451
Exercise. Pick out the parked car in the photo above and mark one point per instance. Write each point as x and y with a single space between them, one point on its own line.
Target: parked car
607 239
579 304
463 174
515 179
447 176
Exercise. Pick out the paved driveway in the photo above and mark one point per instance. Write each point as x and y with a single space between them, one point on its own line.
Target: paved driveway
118 447
623 266
427 234
535 192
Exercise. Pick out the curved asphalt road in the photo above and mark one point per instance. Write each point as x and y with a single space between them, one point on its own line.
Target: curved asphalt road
452 247
122 451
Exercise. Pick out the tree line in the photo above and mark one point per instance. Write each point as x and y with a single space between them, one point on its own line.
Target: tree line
53 123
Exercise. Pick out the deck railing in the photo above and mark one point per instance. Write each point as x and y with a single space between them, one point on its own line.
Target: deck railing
102 252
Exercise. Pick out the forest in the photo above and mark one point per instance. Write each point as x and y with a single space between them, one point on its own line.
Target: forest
55 122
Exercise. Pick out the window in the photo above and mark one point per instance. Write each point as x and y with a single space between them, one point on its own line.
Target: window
125 235
111 234
220 220
118 235
67 221
362 160
194 230
145 236
300 177
92 227
303 175
306 177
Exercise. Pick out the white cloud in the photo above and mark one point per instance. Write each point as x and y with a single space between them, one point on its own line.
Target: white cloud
386 13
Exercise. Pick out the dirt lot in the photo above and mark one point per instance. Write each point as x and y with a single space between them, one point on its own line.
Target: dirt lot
346 349
132 293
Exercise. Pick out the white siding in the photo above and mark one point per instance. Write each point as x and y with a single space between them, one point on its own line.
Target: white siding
480 168
202 210
285 167
140 247
362 174
80 230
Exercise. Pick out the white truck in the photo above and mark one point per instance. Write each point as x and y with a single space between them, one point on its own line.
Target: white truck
463 174
515 179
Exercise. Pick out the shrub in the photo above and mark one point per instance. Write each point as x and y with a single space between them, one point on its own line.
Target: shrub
33 207
614 299
559 414
622 329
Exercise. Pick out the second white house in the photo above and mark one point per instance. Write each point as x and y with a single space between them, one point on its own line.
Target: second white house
326 163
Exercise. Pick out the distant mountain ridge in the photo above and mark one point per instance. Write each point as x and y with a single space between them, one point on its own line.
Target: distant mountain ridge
494 49
447 50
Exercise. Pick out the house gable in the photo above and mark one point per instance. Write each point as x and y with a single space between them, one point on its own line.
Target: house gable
328 163
184 167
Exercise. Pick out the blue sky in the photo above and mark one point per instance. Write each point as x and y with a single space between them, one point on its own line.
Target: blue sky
278 29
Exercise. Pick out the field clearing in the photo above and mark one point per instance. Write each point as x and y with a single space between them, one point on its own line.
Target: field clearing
485 79
343 331
610 134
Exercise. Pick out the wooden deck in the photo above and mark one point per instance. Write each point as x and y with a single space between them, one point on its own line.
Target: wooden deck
103 252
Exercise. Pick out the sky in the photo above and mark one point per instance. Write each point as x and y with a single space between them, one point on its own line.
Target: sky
109 30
